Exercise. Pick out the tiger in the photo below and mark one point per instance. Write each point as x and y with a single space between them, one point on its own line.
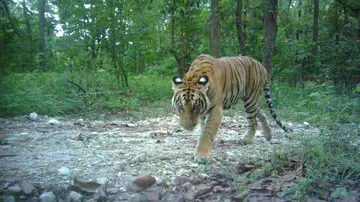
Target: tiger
212 85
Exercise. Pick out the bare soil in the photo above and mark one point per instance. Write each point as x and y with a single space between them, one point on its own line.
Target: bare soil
51 154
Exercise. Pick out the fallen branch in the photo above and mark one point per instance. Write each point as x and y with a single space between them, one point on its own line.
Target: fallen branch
77 85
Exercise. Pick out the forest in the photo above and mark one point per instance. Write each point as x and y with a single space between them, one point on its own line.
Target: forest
116 58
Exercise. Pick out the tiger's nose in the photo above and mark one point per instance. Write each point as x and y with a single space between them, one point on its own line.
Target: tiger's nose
188 126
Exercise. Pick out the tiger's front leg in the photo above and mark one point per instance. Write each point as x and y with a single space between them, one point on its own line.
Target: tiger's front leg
208 134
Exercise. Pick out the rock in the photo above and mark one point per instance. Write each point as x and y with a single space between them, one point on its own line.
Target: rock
195 179
171 139
241 196
22 197
177 181
27 187
138 159
339 193
230 155
102 180
14 189
200 190
74 197
193 165
306 125
64 171
9 182
9 199
33 116
175 198
47 197
100 195
32 199
81 185
112 191
53 121
218 188
274 141
142 182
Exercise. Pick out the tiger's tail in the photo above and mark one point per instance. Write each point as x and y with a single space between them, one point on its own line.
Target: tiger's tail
271 107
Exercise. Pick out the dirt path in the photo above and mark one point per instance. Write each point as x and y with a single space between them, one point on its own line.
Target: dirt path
50 153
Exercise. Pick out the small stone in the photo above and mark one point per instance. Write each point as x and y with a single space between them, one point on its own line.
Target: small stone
241 196
138 159
200 190
14 190
218 188
74 197
193 165
112 191
53 121
22 197
47 197
9 199
32 199
27 187
102 180
64 171
195 179
306 125
176 180
230 155
100 195
274 141
171 139
33 116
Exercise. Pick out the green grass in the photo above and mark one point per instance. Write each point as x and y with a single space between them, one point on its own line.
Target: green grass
52 94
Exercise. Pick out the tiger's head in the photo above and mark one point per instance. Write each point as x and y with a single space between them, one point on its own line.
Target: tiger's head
190 98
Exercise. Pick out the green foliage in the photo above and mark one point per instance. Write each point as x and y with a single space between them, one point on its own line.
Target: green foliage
317 104
53 94
330 158
44 93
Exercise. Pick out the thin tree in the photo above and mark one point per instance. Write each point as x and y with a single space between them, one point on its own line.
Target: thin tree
270 34
5 7
239 25
315 27
215 28
42 34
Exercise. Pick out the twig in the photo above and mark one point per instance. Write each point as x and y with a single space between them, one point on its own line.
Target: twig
7 155
77 85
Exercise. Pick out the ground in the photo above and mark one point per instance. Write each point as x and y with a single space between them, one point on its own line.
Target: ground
51 154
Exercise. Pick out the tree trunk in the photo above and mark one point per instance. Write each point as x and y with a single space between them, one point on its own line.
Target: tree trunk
27 20
299 16
315 28
4 4
214 29
42 34
270 34
239 24
139 65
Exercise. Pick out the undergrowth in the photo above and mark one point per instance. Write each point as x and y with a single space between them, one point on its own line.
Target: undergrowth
65 94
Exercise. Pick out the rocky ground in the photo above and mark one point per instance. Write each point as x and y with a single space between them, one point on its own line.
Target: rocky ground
49 159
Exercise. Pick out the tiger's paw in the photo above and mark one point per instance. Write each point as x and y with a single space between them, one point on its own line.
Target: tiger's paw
202 159
203 155
244 142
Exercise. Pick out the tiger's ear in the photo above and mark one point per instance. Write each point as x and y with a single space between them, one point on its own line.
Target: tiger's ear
203 80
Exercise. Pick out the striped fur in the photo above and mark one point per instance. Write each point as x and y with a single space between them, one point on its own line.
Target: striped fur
212 85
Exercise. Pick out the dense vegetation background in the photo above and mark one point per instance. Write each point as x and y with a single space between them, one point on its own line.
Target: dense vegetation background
92 57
